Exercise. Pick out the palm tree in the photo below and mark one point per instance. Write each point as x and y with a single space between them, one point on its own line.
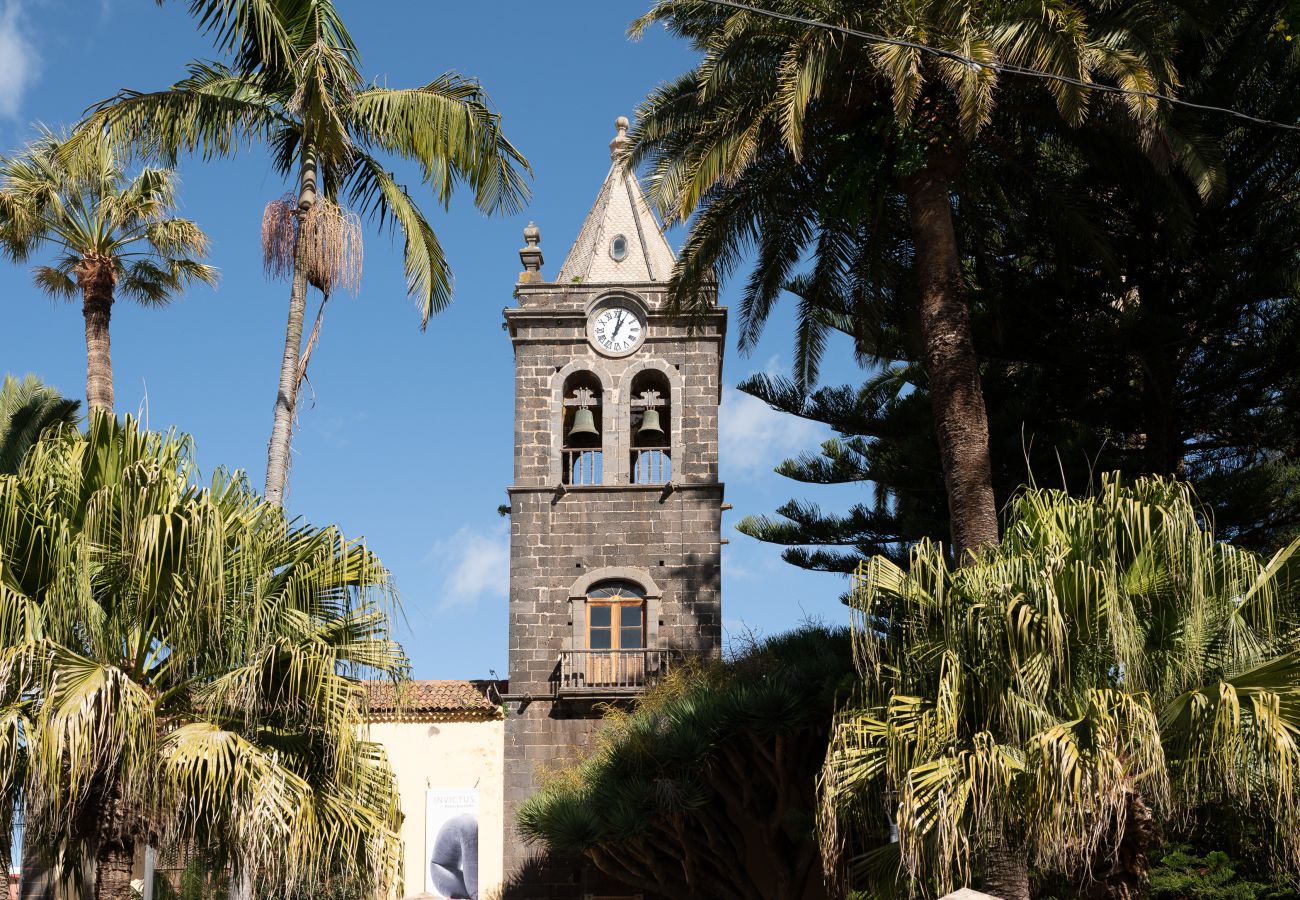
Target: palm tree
793 139
295 84
1108 667
27 409
178 668
111 235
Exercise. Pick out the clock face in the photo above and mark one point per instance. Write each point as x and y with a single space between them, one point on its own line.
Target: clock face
617 329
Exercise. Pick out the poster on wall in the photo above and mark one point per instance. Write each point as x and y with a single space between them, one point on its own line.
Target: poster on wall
451 844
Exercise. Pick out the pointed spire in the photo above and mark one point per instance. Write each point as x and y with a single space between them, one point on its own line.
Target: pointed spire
621 240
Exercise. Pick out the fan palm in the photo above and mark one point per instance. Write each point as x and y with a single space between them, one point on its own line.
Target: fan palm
294 83
789 138
112 235
27 408
177 668
1109 665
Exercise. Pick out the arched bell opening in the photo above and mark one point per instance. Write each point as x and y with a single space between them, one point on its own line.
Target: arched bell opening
582 427
651 425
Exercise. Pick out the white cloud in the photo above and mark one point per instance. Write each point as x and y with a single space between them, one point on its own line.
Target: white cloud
732 568
753 437
17 58
477 564
739 567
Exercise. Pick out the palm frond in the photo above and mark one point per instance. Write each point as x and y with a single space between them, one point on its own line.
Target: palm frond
1111 651
27 408
447 128
71 193
428 275
164 124
182 662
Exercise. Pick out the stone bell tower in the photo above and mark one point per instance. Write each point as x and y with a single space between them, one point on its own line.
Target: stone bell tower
615 508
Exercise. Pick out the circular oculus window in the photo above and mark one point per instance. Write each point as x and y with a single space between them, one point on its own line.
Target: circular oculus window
618 248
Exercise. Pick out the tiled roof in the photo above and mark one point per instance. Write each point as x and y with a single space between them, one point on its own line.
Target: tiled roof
620 210
434 699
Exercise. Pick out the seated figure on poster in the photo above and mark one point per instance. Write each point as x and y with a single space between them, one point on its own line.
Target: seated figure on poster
453 859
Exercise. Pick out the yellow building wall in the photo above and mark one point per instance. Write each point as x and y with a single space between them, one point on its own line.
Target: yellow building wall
447 756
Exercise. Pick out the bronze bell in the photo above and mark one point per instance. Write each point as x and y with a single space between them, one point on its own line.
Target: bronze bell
584 425
650 428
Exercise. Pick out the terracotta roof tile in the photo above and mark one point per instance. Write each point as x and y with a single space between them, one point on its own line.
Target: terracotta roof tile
424 698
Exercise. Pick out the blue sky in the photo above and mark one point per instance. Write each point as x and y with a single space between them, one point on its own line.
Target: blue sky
404 437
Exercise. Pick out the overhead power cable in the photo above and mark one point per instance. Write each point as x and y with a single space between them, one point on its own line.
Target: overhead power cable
1008 68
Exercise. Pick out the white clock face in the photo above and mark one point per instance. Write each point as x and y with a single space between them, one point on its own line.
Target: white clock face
617 329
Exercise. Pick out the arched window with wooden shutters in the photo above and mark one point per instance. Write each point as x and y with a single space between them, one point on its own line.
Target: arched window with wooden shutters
616 634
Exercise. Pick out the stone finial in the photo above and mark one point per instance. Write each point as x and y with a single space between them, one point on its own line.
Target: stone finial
531 254
618 146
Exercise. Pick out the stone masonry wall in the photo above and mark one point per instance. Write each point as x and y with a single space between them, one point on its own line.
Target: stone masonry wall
670 538
552 339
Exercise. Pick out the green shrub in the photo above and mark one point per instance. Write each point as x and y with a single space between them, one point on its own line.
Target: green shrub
1182 872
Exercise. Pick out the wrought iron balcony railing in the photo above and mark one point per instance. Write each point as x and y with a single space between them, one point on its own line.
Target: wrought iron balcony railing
612 671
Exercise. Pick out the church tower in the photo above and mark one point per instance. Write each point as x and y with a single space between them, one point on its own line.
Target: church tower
616 505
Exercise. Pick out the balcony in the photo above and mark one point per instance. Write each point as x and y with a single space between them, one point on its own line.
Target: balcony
605 673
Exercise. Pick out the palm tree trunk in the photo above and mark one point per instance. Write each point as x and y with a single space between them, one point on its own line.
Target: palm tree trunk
95 277
286 400
952 368
1159 384
114 859
1006 874
1129 866
242 888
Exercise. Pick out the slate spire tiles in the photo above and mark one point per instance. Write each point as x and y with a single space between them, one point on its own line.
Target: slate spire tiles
620 211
